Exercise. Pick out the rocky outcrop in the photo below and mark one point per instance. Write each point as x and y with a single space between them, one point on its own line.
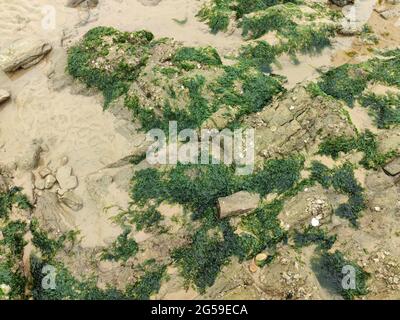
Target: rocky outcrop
4 95
296 122
23 53
239 203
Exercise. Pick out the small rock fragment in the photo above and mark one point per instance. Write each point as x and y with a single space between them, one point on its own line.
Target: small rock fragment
4 95
261 259
49 181
44 172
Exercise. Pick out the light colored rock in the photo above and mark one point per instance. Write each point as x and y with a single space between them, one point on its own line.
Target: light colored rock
44 172
393 167
23 53
65 178
239 203
349 28
39 184
150 3
4 95
391 13
72 201
49 181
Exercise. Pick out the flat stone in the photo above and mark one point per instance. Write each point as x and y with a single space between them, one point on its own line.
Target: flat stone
239 203
65 178
393 167
44 172
23 53
4 95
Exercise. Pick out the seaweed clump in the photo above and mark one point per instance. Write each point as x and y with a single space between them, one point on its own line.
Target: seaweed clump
331 269
159 80
12 279
342 180
365 143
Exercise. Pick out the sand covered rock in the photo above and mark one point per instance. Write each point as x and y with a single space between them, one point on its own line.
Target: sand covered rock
23 53
51 214
72 201
239 203
29 157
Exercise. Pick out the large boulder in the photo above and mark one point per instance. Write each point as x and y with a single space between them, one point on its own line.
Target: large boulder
23 53
239 203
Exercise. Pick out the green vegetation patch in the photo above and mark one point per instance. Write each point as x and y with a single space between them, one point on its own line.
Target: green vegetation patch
342 179
349 81
312 235
122 249
12 245
10 198
262 231
329 269
210 249
109 60
149 283
199 186
365 143
385 109
161 81
257 18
